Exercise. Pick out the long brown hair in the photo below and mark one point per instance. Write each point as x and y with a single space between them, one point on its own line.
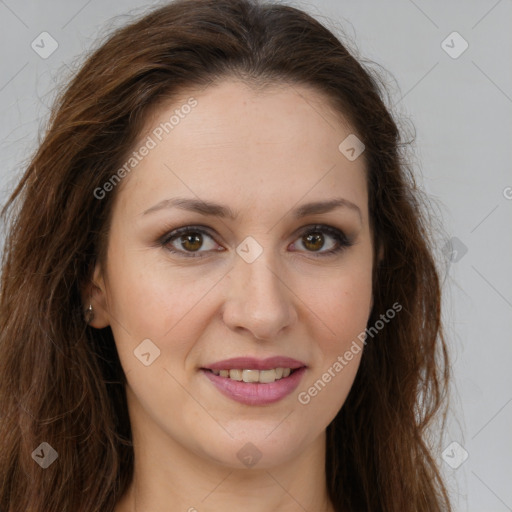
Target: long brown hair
61 381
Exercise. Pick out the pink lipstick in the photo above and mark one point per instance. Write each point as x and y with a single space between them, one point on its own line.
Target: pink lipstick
254 381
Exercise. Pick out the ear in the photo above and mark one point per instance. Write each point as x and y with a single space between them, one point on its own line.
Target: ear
95 295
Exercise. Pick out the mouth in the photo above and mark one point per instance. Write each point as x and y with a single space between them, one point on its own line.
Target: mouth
254 376
254 381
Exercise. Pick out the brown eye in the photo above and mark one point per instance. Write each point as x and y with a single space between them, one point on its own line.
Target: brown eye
314 239
191 242
187 241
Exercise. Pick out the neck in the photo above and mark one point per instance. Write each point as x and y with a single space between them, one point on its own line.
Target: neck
175 480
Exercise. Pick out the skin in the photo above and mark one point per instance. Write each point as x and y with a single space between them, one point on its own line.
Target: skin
262 153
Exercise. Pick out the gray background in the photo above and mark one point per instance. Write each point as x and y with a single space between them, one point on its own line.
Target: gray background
461 109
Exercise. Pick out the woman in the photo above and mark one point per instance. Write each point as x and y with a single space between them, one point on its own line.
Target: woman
218 287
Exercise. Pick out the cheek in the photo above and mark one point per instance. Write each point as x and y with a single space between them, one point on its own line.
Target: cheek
151 300
323 395
342 305
149 297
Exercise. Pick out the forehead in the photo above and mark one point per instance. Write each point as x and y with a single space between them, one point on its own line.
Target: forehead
243 146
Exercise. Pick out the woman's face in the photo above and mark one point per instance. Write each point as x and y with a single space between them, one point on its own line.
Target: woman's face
264 284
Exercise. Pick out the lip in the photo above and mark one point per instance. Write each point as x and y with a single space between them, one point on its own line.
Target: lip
252 363
256 393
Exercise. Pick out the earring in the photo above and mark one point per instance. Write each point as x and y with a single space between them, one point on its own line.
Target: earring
89 314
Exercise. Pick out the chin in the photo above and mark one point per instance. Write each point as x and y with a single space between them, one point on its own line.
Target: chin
257 448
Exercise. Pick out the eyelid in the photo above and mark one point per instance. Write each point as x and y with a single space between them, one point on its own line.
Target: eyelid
173 233
342 240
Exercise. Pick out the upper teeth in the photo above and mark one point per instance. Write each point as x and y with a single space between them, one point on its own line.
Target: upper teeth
263 376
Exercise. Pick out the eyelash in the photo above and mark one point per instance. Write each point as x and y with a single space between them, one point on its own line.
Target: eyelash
342 241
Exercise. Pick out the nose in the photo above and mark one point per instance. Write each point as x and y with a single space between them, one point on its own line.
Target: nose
259 299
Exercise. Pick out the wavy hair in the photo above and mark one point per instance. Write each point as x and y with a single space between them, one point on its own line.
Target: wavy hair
61 381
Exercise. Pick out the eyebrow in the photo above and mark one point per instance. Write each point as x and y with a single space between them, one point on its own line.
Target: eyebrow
217 210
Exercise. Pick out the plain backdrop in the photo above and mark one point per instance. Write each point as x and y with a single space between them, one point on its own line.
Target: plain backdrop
447 65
